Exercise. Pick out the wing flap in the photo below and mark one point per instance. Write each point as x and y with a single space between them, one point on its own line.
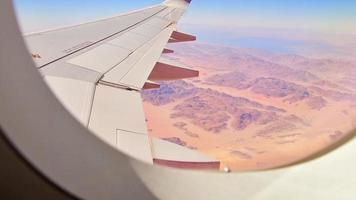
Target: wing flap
76 95
117 118
116 74
172 155
67 70
136 70
135 145
115 108
140 72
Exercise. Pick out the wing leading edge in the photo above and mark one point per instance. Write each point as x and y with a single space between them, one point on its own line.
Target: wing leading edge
98 69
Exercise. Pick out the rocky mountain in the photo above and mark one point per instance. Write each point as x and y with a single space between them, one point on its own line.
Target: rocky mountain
254 109
233 79
210 109
272 87
169 92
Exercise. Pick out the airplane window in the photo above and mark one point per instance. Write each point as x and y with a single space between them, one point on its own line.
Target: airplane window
276 79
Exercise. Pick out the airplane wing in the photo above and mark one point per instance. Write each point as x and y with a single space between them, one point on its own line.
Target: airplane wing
98 69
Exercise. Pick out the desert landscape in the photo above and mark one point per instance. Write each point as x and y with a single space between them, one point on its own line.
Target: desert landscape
254 109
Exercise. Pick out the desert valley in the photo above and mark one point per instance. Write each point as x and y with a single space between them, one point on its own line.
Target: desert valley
253 109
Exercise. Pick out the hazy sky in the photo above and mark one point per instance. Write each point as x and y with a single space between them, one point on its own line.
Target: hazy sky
305 27
321 15
329 15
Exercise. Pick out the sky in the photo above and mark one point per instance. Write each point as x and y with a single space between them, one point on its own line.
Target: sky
324 15
276 25
319 15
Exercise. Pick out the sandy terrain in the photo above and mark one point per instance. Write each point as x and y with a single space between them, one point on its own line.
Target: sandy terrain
270 126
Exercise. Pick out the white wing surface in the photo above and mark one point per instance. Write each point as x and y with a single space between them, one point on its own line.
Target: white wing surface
98 69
